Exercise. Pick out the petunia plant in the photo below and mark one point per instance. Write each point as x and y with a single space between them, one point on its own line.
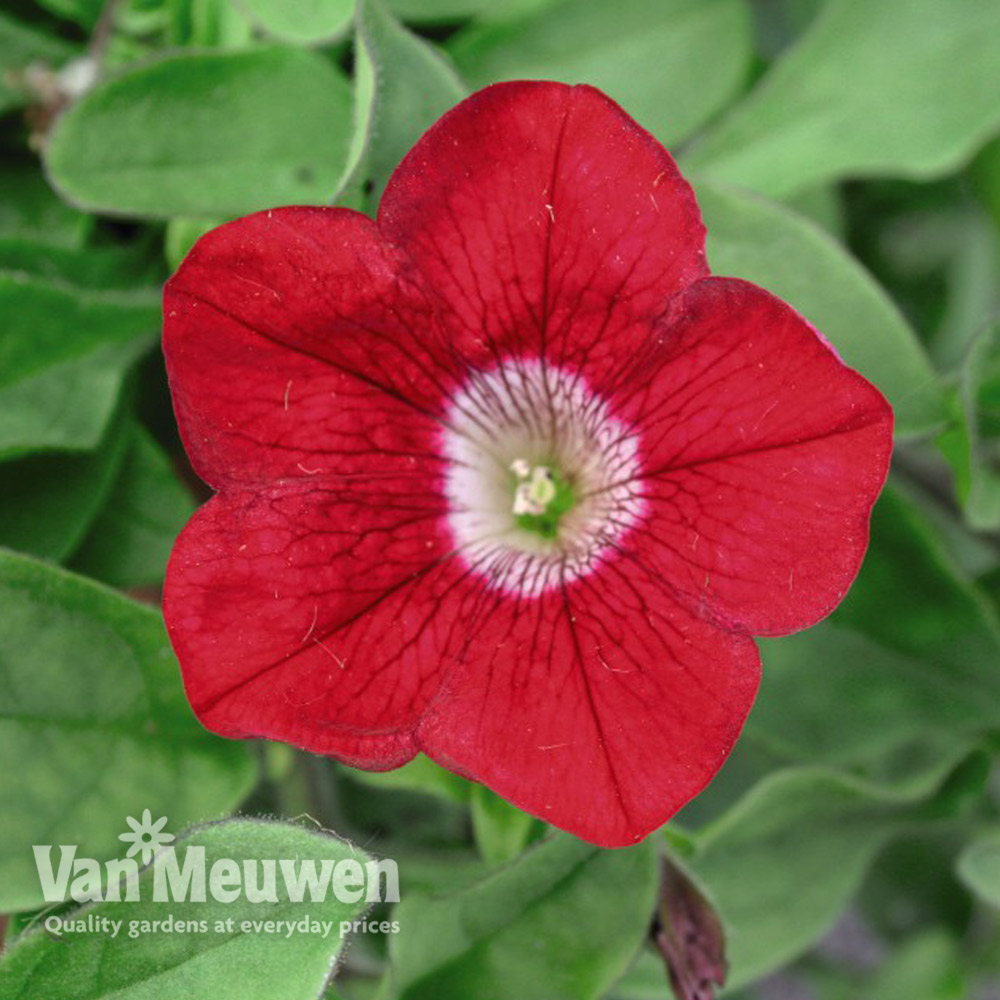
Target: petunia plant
498 500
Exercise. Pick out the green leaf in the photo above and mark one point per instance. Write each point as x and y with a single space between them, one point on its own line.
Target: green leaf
90 269
781 22
94 725
31 211
970 268
46 323
791 257
979 867
206 133
83 12
821 205
216 24
898 87
501 830
21 47
671 65
560 923
130 541
912 597
928 966
782 864
646 979
984 174
304 22
407 84
833 695
910 656
229 960
431 11
50 500
979 399
67 406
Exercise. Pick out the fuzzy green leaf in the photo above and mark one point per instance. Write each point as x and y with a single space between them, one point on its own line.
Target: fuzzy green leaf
94 725
206 133
897 87
671 65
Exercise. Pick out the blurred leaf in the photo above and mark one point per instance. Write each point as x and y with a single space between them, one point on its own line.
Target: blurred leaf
83 12
93 268
559 923
979 867
206 133
835 696
95 726
791 257
353 188
221 964
418 775
913 653
46 323
131 538
671 65
305 21
978 444
21 46
67 406
217 24
407 84
456 10
31 211
783 863
501 830
646 979
911 597
914 882
50 500
781 22
905 87
972 290
985 176
929 966
823 206
971 553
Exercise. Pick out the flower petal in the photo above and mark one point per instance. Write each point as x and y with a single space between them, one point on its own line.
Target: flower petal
295 616
294 346
764 454
602 707
547 222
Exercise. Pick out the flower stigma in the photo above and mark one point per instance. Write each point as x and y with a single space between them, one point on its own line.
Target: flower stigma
541 496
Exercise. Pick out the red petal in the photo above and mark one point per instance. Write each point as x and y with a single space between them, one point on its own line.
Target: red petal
294 615
294 347
546 221
603 707
764 454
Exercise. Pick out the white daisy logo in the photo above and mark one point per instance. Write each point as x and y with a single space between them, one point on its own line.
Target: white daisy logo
146 836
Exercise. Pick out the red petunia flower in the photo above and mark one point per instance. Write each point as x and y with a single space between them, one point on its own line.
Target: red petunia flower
506 477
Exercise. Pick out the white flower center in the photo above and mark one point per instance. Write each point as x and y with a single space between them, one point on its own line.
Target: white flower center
542 480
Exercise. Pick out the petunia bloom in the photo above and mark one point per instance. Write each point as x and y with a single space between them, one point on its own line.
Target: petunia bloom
506 476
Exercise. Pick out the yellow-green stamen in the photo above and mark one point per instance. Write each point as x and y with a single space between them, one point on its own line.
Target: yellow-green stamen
542 495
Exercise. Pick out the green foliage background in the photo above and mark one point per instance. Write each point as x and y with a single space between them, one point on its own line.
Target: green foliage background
846 156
